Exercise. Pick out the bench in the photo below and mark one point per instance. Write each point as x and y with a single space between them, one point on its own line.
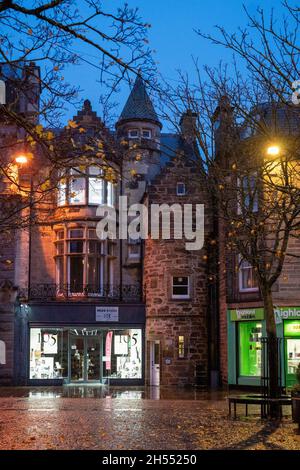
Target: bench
257 400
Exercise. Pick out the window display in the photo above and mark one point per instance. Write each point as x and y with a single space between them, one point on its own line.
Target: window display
48 353
293 355
126 355
85 354
250 334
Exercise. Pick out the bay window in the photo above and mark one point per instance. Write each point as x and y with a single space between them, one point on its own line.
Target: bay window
85 186
83 262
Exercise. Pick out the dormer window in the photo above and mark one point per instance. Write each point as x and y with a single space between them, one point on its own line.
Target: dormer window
146 133
133 133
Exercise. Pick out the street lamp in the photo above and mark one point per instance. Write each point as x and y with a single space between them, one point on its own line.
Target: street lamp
21 159
273 150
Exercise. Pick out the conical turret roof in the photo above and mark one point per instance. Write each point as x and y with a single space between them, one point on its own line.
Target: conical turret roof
139 106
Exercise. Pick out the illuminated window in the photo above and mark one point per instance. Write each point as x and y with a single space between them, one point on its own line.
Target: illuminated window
247 278
181 352
250 333
85 186
83 262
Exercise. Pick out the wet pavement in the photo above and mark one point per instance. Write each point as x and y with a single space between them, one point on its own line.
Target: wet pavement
135 418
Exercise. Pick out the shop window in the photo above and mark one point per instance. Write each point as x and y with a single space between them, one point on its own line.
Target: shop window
180 189
247 278
180 287
123 352
181 350
249 338
48 353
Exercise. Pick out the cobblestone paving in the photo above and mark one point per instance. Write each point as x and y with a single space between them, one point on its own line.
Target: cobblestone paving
47 420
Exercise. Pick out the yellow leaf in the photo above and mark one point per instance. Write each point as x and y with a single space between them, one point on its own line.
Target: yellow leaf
72 124
39 129
81 130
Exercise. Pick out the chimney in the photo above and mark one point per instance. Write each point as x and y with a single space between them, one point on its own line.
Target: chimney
188 126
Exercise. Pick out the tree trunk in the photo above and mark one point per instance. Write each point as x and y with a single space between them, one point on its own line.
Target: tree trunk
273 353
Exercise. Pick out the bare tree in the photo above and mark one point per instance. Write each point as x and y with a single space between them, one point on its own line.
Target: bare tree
245 128
38 41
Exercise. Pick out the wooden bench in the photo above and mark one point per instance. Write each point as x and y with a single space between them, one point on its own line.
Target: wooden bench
256 400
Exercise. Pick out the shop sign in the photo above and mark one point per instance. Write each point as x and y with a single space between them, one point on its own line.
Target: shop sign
107 314
286 313
292 328
245 314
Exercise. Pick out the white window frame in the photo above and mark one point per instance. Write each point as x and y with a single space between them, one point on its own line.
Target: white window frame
178 193
181 296
241 288
149 136
137 136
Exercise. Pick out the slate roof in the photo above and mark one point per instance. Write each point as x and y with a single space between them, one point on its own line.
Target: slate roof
138 105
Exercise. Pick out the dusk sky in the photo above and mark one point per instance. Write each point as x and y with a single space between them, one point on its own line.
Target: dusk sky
172 35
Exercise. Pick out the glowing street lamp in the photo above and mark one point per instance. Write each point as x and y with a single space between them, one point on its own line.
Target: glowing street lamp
273 150
21 159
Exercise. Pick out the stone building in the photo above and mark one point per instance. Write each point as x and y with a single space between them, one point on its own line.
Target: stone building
117 311
242 323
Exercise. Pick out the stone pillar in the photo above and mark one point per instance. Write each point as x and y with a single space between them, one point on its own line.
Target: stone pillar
8 294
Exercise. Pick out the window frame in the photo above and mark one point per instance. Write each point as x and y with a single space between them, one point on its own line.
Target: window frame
184 187
181 296
107 189
240 276
149 137
134 129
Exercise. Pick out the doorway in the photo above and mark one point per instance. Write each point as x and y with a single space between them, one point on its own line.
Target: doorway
155 363
85 357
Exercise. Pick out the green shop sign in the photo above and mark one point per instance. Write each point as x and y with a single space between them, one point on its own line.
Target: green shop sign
286 313
246 314
291 328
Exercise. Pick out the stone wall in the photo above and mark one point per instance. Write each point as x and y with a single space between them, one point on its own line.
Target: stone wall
7 318
167 318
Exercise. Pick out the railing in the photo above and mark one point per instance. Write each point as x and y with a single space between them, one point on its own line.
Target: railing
105 293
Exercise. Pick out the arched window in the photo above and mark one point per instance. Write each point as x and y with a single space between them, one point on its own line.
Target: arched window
2 92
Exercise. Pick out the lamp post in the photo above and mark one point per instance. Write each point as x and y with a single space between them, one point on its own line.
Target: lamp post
21 160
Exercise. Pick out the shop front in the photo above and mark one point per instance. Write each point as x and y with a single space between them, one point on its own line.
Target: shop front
246 327
85 343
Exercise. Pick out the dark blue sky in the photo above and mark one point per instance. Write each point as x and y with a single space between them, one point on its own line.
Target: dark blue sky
172 36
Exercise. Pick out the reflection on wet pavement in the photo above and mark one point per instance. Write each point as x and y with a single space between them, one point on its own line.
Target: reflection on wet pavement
103 391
